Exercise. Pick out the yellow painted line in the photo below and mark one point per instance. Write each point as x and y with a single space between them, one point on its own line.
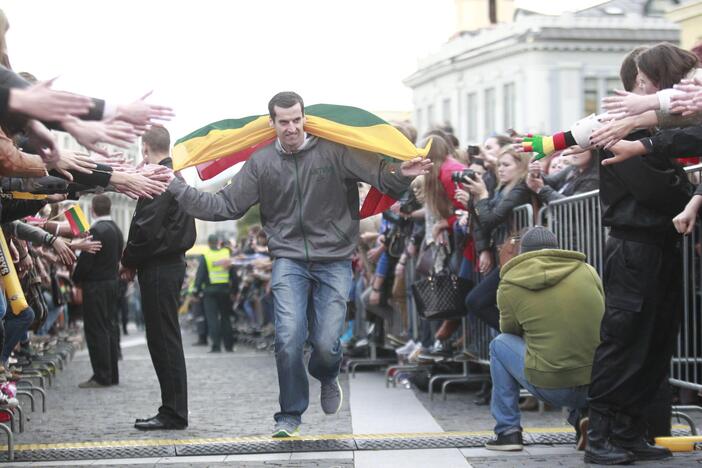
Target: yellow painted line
262 438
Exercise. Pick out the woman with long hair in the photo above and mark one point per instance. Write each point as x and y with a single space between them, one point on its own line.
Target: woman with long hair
494 218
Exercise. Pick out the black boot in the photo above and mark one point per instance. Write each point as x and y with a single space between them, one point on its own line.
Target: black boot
599 450
630 433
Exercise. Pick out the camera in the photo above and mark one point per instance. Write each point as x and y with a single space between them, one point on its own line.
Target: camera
464 175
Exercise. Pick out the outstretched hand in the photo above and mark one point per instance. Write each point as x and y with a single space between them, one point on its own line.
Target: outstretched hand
41 102
141 113
624 150
416 167
689 101
625 103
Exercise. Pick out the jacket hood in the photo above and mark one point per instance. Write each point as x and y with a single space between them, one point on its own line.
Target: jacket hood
541 269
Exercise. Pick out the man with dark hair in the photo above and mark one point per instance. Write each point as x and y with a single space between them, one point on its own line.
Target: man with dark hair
159 235
307 190
97 274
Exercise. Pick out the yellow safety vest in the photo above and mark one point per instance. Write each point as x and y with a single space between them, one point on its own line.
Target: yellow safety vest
217 274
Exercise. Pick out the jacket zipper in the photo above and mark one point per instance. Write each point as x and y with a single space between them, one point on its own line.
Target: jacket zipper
299 199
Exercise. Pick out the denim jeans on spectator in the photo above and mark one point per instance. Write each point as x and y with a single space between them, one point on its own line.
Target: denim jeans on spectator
16 327
294 283
51 316
482 299
507 371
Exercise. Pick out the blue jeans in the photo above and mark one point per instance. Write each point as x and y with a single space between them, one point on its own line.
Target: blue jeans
507 371
16 327
309 300
481 301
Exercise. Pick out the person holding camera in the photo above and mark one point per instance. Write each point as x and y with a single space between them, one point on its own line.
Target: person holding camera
493 223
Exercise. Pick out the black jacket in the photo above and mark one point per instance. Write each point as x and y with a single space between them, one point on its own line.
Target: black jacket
637 193
160 231
494 216
585 181
677 143
103 265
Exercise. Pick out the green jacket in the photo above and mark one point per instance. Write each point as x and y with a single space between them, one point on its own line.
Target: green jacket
555 301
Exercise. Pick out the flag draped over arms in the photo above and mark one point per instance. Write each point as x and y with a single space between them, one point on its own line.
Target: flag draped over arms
222 144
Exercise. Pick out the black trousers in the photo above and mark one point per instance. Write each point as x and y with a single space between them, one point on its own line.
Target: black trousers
218 311
160 290
101 323
643 291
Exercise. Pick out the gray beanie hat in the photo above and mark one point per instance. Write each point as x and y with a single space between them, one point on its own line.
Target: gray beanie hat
537 238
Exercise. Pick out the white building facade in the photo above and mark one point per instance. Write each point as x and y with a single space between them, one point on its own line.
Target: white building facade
537 74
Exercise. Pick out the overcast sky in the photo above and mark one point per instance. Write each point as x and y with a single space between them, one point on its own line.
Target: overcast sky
211 59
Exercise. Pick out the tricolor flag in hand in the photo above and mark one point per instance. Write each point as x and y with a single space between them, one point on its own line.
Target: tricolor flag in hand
77 220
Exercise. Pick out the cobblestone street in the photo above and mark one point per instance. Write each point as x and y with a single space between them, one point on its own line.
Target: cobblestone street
235 395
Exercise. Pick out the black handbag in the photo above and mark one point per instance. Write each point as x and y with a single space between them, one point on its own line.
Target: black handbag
440 296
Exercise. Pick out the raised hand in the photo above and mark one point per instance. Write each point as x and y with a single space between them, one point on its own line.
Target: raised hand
415 167
136 185
42 140
41 102
142 114
612 132
91 133
624 150
625 103
86 244
689 101
72 161
63 251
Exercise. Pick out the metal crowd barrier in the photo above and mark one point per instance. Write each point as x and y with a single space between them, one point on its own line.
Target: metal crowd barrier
686 365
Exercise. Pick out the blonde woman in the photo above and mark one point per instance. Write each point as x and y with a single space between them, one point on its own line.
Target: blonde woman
494 216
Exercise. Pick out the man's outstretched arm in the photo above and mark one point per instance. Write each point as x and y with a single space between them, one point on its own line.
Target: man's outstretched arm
231 202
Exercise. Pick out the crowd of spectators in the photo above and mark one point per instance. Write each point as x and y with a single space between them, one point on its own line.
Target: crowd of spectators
40 182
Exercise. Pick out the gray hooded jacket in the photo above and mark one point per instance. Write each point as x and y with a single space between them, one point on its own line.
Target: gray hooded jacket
309 199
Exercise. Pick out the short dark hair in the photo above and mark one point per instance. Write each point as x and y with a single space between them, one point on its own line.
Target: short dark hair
101 205
157 139
629 70
666 64
285 100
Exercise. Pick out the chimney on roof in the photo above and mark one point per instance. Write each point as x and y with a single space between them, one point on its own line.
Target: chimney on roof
472 15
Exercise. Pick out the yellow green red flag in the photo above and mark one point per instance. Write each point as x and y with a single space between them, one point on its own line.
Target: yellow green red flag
77 220
222 144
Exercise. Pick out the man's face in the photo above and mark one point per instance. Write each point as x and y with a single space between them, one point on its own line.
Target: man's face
288 125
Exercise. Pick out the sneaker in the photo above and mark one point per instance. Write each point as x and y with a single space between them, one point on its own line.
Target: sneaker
511 442
407 349
286 429
332 397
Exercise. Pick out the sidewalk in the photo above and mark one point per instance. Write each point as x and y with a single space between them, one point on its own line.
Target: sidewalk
234 395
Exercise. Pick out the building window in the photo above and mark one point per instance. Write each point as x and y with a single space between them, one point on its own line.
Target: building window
430 116
472 112
591 96
489 111
508 103
419 122
612 84
446 112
